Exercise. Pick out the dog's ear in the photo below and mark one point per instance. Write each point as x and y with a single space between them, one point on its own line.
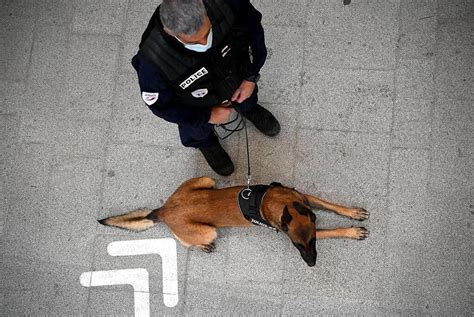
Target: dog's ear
285 219
276 184
301 209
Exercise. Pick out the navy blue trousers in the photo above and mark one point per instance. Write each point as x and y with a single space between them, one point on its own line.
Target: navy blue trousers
203 136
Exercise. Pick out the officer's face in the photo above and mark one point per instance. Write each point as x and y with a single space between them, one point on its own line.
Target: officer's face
200 37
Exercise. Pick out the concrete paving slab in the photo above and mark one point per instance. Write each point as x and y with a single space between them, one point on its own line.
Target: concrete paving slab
60 291
43 12
453 119
115 301
405 289
14 303
104 17
133 122
412 123
91 61
353 100
414 79
284 13
210 268
48 61
409 176
449 10
361 35
353 163
203 298
452 147
16 42
69 229
28 200
451 166
256 298
138 15
418 23
281 75
139 177
455 67
231 299
12 96
449 237
264 256
8 138
271 158
311 305
448 279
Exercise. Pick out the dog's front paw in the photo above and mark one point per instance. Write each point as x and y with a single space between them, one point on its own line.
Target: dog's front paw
208 248
359 233
360 214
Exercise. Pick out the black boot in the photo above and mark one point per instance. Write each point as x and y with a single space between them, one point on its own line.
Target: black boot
263 120
218 159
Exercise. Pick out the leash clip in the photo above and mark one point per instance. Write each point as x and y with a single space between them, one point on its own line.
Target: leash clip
249 178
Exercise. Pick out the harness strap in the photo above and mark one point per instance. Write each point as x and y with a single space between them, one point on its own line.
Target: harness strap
249 200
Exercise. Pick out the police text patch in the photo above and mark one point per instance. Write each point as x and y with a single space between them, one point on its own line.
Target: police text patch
188 81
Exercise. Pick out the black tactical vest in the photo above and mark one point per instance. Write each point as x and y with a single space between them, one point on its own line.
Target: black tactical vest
201 79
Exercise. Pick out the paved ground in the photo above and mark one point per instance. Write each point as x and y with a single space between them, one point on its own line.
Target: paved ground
376 105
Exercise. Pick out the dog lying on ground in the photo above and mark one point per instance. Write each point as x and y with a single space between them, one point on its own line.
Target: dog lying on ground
197 208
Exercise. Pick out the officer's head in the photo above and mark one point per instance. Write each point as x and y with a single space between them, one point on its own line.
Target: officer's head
186 19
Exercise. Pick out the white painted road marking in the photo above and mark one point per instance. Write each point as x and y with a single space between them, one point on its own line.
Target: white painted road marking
166 248
138 278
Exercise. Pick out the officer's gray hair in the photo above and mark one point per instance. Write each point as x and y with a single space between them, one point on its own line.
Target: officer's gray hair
182 16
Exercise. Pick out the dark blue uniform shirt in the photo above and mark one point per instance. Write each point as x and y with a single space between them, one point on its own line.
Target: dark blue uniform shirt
151 81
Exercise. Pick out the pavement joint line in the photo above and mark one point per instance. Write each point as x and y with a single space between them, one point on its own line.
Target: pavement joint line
357 68
394 100
434 104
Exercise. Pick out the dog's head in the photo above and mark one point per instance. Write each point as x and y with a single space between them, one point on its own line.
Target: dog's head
289 211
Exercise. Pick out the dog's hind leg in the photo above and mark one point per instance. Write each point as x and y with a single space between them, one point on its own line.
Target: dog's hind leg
356 233
354 213
194 234
204 182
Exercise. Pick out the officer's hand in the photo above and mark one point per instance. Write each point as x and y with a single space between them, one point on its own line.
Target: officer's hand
244 91
221 113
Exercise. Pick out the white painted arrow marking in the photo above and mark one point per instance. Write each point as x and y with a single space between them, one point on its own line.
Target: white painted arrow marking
166 248
138 278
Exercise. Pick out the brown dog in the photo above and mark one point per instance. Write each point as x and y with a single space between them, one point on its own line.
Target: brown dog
196 209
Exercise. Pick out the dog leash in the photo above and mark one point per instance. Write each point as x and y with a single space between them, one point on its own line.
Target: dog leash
249 175
243 120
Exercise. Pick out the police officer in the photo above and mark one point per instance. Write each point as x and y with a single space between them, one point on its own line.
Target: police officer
196 57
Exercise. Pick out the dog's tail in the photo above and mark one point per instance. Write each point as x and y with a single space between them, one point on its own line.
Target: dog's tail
137 220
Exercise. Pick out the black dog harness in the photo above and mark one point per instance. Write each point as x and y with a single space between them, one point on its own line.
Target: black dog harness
249 200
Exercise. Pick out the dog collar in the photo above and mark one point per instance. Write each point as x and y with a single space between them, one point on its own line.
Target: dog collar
249 200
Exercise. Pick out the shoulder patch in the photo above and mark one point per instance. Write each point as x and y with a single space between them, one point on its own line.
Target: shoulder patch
150 97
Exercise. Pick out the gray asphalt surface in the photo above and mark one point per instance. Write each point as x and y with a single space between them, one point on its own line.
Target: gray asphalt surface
376 105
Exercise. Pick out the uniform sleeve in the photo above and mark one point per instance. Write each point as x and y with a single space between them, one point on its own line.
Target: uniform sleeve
252 18
158 96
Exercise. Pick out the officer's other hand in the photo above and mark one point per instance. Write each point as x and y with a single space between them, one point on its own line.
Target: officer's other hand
221 113
244 91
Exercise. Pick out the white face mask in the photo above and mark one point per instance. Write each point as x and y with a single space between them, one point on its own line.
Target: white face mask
199 47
